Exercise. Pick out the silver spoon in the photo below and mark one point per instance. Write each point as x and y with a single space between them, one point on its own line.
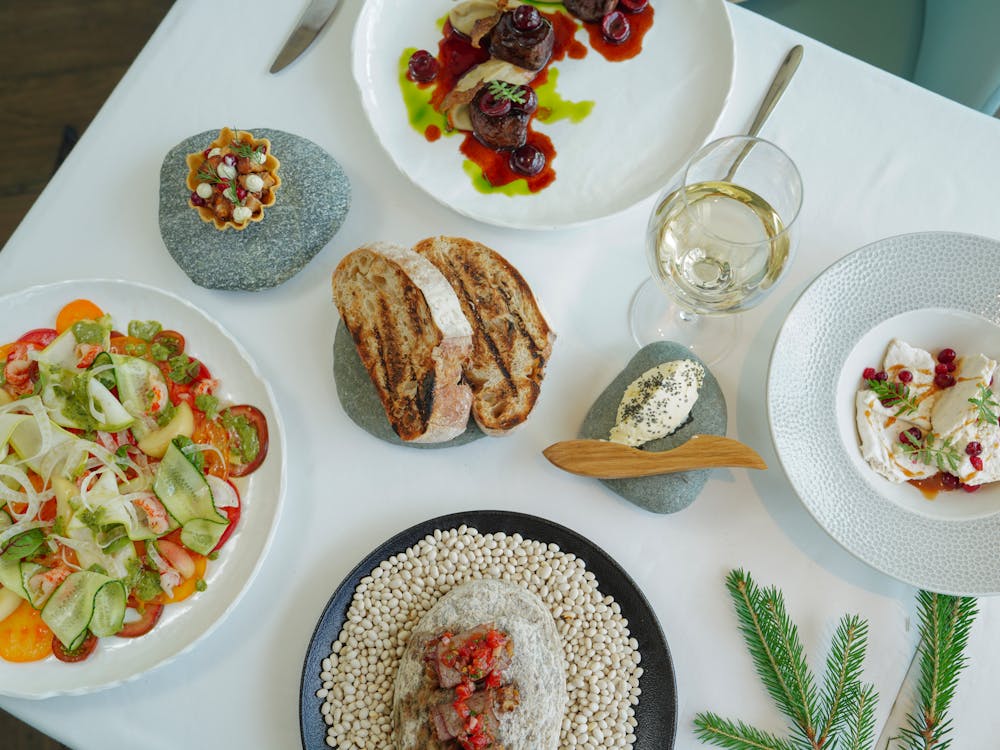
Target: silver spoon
781 79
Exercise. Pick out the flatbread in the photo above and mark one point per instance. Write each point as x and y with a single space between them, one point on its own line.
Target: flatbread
537 668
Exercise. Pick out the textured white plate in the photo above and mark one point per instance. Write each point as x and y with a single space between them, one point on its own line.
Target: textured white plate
651 113
933 290
182 624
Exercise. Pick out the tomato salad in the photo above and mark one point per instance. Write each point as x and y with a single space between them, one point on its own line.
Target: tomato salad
116 460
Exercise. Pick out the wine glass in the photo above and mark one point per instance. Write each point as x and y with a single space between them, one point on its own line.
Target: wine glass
719 239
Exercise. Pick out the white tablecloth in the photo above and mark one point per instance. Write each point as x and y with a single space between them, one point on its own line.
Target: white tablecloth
878 156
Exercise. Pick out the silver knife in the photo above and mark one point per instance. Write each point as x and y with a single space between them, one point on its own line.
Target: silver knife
306 30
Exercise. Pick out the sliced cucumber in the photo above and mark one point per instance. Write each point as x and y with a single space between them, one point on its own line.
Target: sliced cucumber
187 497
143 391
86 600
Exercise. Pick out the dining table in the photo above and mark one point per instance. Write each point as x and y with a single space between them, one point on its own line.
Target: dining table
878 156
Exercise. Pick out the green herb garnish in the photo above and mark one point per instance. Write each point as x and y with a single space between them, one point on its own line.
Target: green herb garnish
507 91
247 151
23 545
183 369
944 456
144 329
207 404
208 173
893 394
986 406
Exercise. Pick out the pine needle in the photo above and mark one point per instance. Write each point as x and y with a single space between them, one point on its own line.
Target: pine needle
736 735
859 722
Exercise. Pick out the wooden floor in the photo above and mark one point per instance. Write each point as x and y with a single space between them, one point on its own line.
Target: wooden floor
61 60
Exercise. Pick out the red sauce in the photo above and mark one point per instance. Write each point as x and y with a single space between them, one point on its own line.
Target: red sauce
640 22
455 56
931 486
496 168
565 44
432 133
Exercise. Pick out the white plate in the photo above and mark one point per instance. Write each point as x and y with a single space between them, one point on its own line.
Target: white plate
933 290
651 113
119 659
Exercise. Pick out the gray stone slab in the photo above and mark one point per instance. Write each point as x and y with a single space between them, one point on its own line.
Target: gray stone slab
361 402
310 207
666 493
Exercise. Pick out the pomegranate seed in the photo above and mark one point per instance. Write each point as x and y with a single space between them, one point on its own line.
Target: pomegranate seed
633 6
911 437
615 27
944 380
951 367
197 199
950 481
868 373
973 448
881 375
977 463
229 159
905 376
971 487
947 355
206 152
263 149
941 369
241 193
423 67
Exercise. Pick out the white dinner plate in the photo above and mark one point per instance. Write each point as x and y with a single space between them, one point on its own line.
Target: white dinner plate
933 290
651 113
119 659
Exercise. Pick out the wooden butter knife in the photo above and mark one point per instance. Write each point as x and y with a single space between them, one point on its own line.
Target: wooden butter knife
606 460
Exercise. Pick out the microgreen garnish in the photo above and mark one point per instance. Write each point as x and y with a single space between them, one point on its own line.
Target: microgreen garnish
893 394
986 406
232 195
509 91
944 455
247 151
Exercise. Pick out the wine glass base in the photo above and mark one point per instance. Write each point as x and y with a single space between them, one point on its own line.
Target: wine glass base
653 317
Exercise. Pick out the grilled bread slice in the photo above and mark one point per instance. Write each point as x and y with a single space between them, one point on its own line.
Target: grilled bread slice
412 337
512 341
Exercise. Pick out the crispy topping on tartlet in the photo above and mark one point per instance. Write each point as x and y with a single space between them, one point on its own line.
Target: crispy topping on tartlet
233 180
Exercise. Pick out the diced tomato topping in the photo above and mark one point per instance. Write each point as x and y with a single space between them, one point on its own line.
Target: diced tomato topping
464 690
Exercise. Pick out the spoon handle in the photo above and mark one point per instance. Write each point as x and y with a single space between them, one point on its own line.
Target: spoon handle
607 460
781 79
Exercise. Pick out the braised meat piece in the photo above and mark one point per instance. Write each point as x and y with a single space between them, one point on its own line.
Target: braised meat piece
463 718
590 10
472 655
524 37
500 113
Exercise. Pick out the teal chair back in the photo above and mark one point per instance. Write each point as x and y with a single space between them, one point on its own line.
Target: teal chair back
948 46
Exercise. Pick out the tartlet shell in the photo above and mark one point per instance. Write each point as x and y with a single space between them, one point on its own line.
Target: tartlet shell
225 137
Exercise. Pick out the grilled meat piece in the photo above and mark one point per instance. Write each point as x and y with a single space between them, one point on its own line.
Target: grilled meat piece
499 123
473 654
590 10
450 719
524 37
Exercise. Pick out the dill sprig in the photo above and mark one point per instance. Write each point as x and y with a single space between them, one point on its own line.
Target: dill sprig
927 450
893 394
509 91
208 173
986 406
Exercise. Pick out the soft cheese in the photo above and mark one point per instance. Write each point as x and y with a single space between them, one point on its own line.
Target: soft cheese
658 402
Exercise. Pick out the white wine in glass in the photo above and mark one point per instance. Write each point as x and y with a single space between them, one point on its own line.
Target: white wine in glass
717 242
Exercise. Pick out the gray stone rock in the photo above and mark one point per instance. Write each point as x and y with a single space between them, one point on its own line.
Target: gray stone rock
665 493
310 207
361 402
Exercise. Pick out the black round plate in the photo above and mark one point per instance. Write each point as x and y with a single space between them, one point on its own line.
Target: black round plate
656 713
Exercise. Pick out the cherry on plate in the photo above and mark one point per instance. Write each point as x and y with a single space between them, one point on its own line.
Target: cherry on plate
615 27
527 160
493 106
423 67
633 6
526 18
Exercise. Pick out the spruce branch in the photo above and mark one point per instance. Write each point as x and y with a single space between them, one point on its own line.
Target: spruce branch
758 628
843 670
736 735
945 622
859 722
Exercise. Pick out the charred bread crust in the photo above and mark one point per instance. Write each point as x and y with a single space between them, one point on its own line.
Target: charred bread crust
412 338
512 341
